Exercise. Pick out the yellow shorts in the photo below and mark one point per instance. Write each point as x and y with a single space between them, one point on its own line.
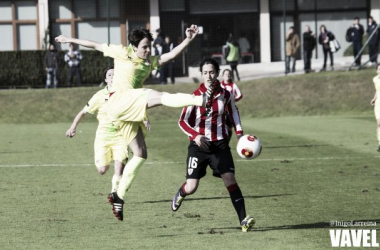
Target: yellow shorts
129 130
108 150
377 109
128 106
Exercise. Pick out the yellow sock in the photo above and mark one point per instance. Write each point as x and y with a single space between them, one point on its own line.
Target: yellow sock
180 100
115 182
129 174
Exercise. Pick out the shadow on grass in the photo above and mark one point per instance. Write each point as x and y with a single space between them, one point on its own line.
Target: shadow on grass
299 146
316 225
220 197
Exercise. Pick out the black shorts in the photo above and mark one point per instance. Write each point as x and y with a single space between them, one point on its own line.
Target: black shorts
218 157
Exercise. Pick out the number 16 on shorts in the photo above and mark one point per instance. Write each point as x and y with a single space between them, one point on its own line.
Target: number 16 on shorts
192 163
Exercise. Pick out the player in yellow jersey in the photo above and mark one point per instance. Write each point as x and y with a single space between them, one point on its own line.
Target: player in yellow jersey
129 101
109 143
376 102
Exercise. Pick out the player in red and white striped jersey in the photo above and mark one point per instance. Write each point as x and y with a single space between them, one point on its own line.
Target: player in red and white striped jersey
209 140
193 122
229 85
232 87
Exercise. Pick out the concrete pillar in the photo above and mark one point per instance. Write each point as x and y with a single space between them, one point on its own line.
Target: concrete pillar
154 17
265 50
43 18
375 10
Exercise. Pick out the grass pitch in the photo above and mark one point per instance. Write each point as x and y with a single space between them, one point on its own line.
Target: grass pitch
313 170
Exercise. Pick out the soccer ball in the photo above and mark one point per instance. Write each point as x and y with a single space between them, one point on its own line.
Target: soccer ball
249 147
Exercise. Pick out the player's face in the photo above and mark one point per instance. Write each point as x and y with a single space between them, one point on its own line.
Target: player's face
143 49
109 77
226 76
209 74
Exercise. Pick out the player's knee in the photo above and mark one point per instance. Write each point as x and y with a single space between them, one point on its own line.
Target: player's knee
228 179
142 153
102 170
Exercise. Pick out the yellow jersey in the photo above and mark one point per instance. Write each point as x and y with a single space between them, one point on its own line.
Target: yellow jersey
130 70
99 104
376 81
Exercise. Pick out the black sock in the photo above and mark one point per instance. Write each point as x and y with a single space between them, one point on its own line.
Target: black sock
237 200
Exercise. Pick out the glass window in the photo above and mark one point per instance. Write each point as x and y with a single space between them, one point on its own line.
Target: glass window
27 37
135 24
278 36
6 31
222 6
338 23
98 31
60 9
114 8
340 4
85 9
26 10
5 11
276 5
61 29
306 4
172 5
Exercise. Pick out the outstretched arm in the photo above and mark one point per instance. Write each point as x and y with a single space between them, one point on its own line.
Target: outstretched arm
85 43
72 130
191 33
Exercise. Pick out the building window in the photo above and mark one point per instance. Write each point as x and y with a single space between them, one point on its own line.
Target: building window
85 20
19 22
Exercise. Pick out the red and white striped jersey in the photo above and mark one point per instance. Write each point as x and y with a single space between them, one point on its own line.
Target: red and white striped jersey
213 126
233 88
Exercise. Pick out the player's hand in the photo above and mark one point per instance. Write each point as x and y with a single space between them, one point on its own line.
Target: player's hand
61 39
71 132
202 142
192 32
147 125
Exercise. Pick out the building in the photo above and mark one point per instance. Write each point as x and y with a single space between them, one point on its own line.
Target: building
30 24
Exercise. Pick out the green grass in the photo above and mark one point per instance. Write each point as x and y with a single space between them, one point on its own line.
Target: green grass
327 93
319 164
313 170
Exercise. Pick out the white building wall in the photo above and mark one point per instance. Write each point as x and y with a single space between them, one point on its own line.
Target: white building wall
375 10
43 16
154 16
265 50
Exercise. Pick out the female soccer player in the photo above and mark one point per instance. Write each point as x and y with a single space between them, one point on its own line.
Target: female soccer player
229 85
109 144
232 87
128 100
376 102
209 142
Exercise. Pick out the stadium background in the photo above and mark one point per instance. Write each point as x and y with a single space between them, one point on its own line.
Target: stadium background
31 24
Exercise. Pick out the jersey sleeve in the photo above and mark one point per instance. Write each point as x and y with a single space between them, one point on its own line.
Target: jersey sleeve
238 95
234 113
184 122
112 50
93 105
154 62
